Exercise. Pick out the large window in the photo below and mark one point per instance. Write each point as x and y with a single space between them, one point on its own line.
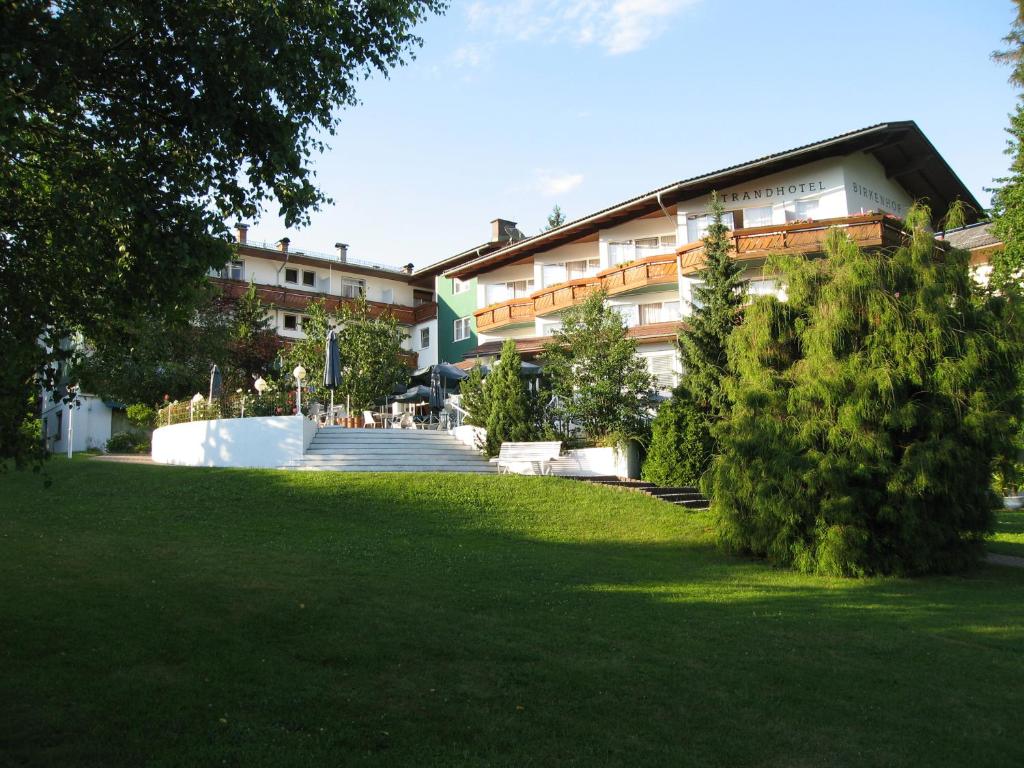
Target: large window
757 217
424 338
233 270
387 295
662 369
659 312
459 286
569 270
621 251
801 210
513 289
352 289
462 329
762 287
291 276
697 226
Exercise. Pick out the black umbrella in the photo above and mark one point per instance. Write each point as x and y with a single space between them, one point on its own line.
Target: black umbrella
216 382
419 393
332 366
436 392
448 372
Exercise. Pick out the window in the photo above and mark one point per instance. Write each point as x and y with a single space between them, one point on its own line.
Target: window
697 226
309 278
387 295
761 287
548 329
353 289
628 313
659 312
662 369
291 323
569 270
459 286
233 270
757 217
801 210
622 251
424 338
422 297
513 289
291 276
462 329
59 434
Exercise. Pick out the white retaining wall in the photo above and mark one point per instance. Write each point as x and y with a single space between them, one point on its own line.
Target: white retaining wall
263 441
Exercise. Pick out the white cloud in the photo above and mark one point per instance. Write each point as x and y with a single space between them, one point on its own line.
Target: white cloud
551 184
617 26
469 56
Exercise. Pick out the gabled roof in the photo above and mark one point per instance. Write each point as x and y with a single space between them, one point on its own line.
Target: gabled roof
972 237
901 147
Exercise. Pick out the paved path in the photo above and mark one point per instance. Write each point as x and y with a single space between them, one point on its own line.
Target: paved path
1010 560
124 458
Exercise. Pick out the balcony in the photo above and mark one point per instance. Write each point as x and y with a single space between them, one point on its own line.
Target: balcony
561 296
753 244
650 273
298 300
505 314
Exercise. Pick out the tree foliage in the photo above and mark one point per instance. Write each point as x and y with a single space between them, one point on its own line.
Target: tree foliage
718 299
595 373
130 132
868 412
681 443
474 400
370 351
508 410
556 218
1008 196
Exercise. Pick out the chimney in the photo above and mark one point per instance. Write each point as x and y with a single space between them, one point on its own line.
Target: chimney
502 230
241 231
342 252
407 269
282 244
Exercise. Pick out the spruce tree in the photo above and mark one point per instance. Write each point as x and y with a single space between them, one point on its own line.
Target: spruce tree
1008 196
508 411
556 219
716 305
868 412
474 398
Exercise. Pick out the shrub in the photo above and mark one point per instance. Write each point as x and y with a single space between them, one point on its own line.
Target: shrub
869 412
681 444
123 442
141 416
474 398
508 417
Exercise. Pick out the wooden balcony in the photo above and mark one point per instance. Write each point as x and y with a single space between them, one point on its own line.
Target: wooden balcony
292 298
561 296
644 274
505 314
753 244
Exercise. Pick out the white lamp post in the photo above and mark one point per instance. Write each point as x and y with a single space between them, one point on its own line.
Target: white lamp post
197 398
299 373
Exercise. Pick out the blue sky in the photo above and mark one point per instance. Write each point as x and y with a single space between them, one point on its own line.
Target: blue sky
511 107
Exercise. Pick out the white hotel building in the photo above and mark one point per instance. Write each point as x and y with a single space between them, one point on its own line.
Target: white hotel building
646 252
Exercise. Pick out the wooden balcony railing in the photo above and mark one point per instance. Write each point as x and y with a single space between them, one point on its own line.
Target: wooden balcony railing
291 298
643 273
514 312
563 295
868 231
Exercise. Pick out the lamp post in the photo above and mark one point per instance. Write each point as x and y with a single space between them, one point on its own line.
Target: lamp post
299 373
73 402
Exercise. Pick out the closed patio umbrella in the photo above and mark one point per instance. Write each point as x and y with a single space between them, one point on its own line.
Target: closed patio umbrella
436 392
332 366
448 372
216 382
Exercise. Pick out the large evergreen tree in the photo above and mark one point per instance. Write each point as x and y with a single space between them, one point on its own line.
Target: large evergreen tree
595 373
508 413
717 300
869 411
1008 196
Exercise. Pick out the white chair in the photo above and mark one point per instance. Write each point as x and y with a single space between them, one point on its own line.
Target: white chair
407 421
368 420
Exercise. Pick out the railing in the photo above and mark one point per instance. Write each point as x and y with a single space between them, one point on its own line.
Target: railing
265 246
868 230
652 270
293 298
505 313
564 295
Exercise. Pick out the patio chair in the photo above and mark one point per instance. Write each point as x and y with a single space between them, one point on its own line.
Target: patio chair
368 420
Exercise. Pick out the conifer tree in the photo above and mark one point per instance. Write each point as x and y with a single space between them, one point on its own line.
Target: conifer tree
717 301
556 218
474 398
1008 196
508 411
868 412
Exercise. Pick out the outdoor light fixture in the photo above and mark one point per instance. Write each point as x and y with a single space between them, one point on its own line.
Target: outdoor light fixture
259 385
299 373
197 398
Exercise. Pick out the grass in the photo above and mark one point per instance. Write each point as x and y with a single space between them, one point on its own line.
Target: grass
1009 536
175 617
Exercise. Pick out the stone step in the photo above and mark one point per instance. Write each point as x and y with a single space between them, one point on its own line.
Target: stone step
338 458
677 496
694 504
467 468
674 489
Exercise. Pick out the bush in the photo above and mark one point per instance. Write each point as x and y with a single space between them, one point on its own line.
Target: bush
127 442
681 444
508 418
141 416
869 412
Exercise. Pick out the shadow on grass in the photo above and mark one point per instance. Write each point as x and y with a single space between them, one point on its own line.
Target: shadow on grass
275 618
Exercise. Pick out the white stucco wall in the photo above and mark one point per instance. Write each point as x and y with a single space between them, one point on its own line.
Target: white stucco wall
92 425
867 188
266 441
425 355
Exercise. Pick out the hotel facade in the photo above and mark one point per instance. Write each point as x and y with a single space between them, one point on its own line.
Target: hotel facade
646 253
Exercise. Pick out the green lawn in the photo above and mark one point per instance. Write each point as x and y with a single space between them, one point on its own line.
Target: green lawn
177 617
1009 535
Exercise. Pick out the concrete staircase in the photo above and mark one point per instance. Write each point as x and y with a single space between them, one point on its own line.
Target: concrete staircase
682 496
337 449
